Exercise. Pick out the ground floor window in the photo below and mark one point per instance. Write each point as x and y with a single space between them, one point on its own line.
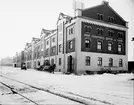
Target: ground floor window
110 62
59 61
87 61
99 61
120 63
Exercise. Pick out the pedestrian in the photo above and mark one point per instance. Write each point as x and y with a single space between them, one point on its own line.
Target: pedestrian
53 68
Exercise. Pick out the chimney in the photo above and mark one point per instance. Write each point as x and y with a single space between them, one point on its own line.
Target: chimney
78 7
105 2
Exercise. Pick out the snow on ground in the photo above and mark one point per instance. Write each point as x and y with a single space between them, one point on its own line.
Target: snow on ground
106 88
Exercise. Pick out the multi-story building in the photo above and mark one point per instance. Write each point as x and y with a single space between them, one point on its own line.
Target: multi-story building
94 39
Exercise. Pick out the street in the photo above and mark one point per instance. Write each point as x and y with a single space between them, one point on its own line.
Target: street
39 87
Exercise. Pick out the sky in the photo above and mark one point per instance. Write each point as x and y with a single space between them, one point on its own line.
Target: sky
20 20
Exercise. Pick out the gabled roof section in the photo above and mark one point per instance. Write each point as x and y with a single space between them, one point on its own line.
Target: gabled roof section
106 10
63 16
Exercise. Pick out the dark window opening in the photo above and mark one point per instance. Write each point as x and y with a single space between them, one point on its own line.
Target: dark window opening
87 43
87 60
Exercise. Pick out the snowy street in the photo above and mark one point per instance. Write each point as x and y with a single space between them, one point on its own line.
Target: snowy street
106 89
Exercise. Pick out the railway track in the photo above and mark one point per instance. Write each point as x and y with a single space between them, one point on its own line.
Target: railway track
70 96
14 91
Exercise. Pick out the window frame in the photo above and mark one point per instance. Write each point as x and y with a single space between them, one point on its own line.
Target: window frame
110 62
99 45
88 44
87 60
99 61
60 48
71 44
59 61
120 62
110 46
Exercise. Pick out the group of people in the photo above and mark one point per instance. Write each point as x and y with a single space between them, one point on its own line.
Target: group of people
51 67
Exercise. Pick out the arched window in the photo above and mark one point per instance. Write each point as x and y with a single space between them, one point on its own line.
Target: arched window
109 46
99 45
119 47
87 29
87 43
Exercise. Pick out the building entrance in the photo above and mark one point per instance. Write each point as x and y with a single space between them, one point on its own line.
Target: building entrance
70 68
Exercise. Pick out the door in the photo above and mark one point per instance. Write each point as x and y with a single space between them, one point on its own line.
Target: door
70 64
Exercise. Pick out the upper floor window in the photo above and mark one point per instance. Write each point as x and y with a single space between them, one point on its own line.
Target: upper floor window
99 45
99 61
47 42
109 46
87 29
87 60
87 43
120 35
71 31
100 16
111 19
120 63
110 33
53 49
100 31
110 62
70 44
60 48
119 47
53 39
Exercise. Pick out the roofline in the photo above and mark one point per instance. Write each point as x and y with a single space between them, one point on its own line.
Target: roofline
108 6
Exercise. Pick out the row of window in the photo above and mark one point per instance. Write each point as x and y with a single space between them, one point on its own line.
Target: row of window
53 40
99 45
101 17
88 29
88 61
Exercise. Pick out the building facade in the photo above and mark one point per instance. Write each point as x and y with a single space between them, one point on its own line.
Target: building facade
94 39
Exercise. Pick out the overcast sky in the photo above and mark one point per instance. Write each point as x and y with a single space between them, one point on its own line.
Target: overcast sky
20 20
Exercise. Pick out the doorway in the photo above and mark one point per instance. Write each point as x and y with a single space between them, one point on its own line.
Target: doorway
70 67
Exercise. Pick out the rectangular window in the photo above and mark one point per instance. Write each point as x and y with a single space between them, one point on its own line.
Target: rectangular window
53 39
53 50
110 62
59 61
70 44
120 63
87 60
60 49
71 30
47 42
87 43
99 61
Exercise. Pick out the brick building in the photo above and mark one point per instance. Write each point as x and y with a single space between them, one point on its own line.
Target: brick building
94 39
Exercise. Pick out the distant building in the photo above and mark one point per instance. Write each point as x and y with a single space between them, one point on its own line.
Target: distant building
7 61
94 39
